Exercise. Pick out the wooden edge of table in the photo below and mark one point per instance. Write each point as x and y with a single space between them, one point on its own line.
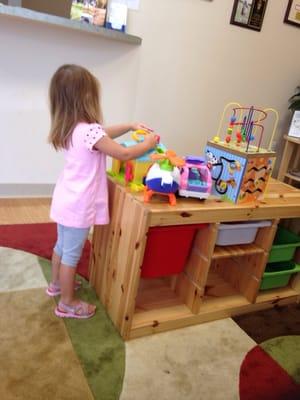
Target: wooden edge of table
280 201
241 153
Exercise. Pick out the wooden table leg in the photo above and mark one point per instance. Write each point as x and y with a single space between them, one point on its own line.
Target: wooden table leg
285 161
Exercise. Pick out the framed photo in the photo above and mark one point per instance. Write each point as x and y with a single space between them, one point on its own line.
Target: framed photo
292 15
89 11
249 13
295 125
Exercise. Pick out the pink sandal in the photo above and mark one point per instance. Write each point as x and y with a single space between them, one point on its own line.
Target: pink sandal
80 310
54 289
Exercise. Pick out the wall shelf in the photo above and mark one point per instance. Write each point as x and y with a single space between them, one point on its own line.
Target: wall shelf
34 16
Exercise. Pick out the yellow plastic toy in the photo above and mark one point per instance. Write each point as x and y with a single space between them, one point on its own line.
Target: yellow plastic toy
132 172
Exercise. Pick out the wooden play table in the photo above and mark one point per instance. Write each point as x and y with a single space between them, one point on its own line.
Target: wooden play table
217 282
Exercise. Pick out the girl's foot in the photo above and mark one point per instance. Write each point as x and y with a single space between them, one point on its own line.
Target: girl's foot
79 310
53 289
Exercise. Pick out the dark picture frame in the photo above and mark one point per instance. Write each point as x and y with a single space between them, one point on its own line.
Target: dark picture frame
249 13
290 17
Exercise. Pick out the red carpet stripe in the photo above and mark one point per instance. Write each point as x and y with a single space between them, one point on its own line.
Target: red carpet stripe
261 378
38 239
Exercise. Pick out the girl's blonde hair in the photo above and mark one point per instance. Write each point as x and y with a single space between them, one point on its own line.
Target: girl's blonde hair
74 97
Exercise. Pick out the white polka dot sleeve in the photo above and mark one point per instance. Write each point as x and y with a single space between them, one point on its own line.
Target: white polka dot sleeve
94 133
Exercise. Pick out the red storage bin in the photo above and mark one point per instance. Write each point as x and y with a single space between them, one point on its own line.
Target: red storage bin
167 250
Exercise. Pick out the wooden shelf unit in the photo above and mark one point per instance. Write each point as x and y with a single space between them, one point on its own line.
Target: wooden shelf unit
61 22
217 281
292 177
290 160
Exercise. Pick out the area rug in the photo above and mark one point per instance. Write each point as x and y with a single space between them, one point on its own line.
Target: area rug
271 370
200 362
45 357
39 239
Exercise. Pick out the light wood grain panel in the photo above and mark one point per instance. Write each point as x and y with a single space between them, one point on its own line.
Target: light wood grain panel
200 256
124 260
239 272
154 294
236 251
175 317
190 293
24 211
190 284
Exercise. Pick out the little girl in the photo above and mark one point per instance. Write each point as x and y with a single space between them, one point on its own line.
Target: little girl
80 198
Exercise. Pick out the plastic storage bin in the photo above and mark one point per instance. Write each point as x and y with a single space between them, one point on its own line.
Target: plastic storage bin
284 246
239 233
278 274
167 250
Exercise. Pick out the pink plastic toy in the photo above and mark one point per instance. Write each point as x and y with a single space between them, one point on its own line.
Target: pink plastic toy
195 178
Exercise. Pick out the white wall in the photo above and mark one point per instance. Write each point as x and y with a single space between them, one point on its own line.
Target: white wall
191 62
194 62
30 53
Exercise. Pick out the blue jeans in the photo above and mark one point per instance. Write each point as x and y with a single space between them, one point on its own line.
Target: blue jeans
69 245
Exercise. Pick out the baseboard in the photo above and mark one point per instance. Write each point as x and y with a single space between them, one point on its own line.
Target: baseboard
26 189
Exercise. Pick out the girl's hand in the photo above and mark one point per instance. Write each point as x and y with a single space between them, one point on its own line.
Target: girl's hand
151 140
135 126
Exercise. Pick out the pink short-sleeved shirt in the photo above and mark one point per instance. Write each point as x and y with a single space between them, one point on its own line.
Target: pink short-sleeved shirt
80 198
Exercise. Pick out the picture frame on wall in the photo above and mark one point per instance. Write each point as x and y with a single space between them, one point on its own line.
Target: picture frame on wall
249 13
295 125
89 11
292 15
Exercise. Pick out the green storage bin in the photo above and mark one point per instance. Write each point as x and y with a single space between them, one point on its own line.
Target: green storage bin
278 275
284 246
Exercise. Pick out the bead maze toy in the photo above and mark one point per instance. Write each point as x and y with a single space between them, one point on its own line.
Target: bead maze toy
163 177
240 166
131 173
195 178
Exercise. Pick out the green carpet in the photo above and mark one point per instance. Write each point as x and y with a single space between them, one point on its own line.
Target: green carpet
286 351
97 344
